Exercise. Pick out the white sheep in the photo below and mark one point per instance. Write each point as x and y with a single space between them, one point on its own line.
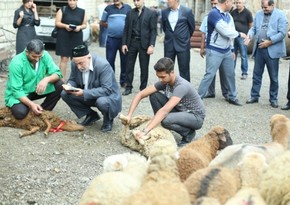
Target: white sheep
280 130
123 175
275 182
220 183
143 145
251 168
199 153
162 184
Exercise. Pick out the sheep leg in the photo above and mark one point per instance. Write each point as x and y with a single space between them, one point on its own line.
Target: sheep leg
29 132
48 124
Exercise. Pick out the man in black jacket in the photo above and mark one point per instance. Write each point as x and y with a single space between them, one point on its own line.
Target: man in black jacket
140 23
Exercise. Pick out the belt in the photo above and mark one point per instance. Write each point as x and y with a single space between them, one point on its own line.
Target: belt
27 25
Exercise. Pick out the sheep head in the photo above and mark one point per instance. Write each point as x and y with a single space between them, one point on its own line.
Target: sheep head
223 135
280 129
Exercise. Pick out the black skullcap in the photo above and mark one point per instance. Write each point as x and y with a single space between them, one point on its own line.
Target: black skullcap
79 51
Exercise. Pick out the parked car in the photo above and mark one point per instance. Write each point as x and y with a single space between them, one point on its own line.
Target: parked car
47 10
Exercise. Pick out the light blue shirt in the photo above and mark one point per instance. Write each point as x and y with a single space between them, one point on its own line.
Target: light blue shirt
173 17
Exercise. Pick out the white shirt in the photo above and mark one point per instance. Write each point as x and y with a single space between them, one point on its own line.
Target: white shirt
87 74
173 17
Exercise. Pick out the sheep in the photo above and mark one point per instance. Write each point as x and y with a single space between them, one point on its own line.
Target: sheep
162 184
47 121
251 168
220 183
275 183
122 176
199 153
280 130
143 146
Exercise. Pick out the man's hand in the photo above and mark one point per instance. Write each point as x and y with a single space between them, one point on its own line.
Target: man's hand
202 52
37 109
41 87
265 44
150 50
124 49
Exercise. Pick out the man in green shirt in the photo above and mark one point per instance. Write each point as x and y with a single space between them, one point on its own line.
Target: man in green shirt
32 75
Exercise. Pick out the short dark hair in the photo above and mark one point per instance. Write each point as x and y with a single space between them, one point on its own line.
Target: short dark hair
25 1
164 64
270 2
35 45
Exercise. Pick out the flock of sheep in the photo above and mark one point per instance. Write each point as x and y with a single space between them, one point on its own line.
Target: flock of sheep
160 174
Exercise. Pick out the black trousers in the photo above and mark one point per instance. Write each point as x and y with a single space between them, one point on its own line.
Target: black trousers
288 92
20 110
133 50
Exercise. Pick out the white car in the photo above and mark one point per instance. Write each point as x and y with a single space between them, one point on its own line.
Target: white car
43 31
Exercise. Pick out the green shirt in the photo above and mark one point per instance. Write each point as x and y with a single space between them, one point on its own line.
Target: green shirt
23 78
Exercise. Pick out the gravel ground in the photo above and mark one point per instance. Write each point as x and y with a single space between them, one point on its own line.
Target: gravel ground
57 169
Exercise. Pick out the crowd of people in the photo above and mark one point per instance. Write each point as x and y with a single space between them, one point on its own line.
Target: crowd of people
132 32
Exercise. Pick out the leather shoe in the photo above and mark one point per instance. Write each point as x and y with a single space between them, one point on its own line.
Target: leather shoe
90 118
107 126
274 104
234 102
252 100
286 107
187 139
127 91
209 96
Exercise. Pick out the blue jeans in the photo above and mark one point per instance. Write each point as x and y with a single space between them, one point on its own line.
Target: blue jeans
214 61
262 58
112 46
240 46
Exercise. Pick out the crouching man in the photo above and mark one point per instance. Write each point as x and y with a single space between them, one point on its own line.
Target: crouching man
94 85
180 108
32 75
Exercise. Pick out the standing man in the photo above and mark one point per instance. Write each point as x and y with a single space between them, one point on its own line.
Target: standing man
211 89
103 30
114 20
140 23
94 85
178 107
243 22
269 30
287 106
178 25
32 75
219 49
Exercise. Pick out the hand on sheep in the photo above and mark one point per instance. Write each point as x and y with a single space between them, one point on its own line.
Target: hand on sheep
140 136
125 120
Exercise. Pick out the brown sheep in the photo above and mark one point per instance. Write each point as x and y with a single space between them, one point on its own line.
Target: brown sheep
199 153
280 130
162 184
143 145
47 121
215 182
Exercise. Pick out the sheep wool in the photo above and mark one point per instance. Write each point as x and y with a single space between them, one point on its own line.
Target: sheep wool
143 146
123 175
251 168
216 182
162 184
199 153
275 183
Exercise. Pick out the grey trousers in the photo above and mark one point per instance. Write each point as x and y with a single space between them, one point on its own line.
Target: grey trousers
181 122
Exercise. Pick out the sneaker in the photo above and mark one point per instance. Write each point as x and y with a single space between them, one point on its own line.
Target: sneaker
187 139
244 76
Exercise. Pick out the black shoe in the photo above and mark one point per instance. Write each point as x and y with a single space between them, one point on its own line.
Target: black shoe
252 100
107 126
274 104
286 107
234 102
209 96
90 118
187 139
127 91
